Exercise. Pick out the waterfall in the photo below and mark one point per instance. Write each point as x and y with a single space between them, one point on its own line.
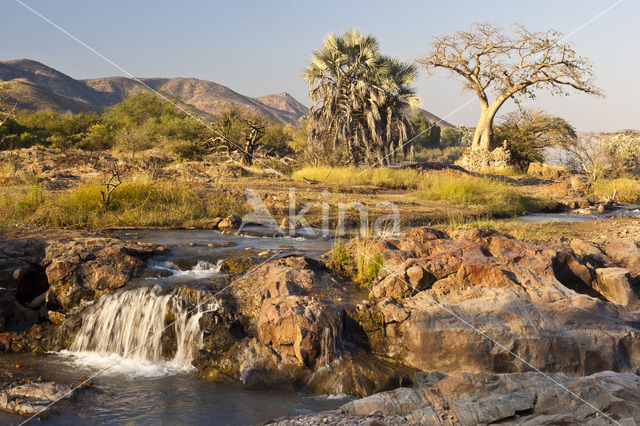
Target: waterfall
134 323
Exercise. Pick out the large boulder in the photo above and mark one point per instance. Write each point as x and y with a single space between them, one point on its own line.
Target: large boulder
300 324
496 305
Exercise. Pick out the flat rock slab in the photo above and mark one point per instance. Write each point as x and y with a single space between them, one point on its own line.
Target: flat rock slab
35 398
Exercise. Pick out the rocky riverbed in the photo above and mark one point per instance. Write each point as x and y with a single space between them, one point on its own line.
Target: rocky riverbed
455 328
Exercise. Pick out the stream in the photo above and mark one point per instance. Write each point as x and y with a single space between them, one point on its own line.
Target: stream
618 211
146 386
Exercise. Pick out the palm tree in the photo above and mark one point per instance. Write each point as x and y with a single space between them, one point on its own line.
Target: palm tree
361 98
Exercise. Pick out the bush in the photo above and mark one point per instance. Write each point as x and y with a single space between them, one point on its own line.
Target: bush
358 261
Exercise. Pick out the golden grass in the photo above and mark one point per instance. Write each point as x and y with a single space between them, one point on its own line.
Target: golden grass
140 202
628 189
383 177
496 197
359 260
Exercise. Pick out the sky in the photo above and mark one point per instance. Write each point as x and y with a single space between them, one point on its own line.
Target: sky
260 47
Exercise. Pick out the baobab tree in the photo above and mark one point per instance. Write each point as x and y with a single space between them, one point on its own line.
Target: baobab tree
492 62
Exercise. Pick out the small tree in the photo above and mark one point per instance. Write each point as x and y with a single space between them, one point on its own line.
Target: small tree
235 128
508 66
7 109
527 133
361 99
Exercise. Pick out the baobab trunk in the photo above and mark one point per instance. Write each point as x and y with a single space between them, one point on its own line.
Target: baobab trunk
483 136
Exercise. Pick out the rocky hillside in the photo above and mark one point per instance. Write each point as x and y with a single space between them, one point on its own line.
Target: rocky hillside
36 86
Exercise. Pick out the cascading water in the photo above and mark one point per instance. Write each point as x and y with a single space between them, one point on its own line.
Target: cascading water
132 324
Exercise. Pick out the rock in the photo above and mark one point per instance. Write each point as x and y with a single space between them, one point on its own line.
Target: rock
627 254
288 225
360 374
547 171
56 317
84 269
531 398
299 323
35 398
615 285
230 222
578 203
480 159
590 252
214 222
538 302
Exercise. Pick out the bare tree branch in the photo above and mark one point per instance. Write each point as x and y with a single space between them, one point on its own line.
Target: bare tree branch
509 66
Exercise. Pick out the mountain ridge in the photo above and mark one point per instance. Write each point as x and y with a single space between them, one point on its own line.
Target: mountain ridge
34 85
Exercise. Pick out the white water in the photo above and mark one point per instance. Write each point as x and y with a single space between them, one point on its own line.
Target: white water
124 331
202 269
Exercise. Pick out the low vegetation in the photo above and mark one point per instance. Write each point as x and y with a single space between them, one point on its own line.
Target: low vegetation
358 260
627 189
383 177
139 202
498 198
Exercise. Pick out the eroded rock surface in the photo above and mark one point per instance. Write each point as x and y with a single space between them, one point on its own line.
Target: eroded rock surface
84 269
35 398
520 398
489 302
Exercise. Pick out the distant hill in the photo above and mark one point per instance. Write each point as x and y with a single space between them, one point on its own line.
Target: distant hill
432 117
36 86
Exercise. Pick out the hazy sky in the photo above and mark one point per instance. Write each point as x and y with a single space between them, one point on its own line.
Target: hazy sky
260 47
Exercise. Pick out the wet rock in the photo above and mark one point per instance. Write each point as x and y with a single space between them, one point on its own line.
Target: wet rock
360 374
86 268
615 285
214 222
298 324
34 398
230 222
578 203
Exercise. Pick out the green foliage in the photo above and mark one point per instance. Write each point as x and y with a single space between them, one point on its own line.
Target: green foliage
528 132
430 137
48 127
361 99
145 120
623 151
456 136
358 260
